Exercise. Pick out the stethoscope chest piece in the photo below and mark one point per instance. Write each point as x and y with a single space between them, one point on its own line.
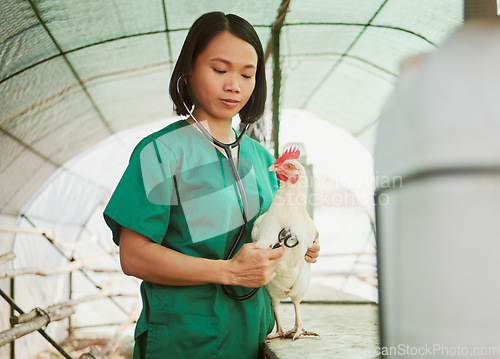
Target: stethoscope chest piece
286 238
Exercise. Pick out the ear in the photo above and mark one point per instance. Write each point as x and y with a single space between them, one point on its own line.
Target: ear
294 179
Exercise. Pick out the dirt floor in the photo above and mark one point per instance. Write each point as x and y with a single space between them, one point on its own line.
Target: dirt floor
78 348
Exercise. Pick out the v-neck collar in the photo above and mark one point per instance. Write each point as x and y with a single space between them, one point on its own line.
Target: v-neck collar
241 147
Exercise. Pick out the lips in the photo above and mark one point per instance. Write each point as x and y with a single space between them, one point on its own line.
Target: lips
228 102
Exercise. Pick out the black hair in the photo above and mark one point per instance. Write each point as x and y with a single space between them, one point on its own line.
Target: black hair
201 33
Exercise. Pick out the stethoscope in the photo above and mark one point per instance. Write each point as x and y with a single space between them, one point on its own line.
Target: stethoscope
284 237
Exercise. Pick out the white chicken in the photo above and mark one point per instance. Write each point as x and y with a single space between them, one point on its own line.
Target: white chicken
288 213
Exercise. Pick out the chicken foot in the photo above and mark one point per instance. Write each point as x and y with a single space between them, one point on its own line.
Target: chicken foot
298 329
294 333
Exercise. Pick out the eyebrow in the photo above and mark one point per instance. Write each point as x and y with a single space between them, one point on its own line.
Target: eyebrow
219 59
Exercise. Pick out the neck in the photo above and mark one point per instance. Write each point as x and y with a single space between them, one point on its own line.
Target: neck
219 128
293 194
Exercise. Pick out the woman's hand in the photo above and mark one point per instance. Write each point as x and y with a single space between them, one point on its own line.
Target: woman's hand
312 253
253 267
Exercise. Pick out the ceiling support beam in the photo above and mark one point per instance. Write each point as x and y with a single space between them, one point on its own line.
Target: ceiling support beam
274 46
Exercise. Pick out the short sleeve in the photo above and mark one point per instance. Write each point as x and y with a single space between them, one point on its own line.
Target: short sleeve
143 197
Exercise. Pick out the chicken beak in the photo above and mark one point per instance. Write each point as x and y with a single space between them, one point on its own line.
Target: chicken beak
279 173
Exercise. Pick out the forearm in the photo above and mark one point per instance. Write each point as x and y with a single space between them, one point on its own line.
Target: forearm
142 258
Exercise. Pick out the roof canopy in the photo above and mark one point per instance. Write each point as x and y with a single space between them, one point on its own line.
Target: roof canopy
73 73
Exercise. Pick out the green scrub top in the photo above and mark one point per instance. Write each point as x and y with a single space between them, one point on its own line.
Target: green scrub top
179 191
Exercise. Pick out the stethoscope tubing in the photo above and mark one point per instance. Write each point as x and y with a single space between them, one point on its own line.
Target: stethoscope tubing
227 149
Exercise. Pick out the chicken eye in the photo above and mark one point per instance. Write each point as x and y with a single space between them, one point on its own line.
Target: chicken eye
289 166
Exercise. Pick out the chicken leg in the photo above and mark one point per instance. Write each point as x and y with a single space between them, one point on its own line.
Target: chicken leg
280 333
298 329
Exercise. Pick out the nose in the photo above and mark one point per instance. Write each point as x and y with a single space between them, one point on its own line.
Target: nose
232 84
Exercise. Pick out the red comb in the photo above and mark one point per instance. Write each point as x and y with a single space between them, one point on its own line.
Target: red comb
290 153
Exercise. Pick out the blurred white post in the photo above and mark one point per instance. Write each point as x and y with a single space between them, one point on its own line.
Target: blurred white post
438 230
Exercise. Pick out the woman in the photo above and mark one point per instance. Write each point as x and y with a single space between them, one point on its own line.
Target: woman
176 212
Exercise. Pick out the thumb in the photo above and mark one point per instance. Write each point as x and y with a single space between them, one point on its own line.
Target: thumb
276 253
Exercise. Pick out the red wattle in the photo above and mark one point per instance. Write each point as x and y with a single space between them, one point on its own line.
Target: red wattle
281 177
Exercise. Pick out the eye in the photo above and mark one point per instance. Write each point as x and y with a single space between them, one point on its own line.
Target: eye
247 76
219 71
289 166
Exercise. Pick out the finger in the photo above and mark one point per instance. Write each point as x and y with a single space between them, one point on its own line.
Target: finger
312 254
310 259
315 247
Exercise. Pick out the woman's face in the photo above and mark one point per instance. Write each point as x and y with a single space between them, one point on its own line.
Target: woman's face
222 78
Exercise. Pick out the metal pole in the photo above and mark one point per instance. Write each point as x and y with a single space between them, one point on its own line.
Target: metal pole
12 295
70 295
276 88
275 44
